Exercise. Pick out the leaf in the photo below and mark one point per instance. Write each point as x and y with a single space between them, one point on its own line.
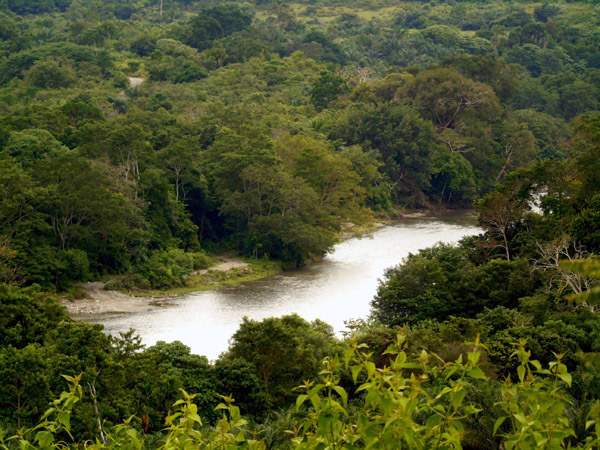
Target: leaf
370 366
433 421
477 373
316 402
566 377
342 393
520 417
64 418
324 421
300 400
498 423
44 438
391 350
457 399
521 373
348 354
196 418
355 371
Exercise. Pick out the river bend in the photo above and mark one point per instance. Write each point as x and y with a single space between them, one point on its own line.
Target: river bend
336 289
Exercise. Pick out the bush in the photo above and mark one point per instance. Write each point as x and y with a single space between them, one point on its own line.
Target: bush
166 268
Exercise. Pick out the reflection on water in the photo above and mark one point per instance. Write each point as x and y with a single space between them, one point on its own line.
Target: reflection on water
334 290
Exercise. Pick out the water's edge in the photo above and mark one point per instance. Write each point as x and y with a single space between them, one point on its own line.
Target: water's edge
334 290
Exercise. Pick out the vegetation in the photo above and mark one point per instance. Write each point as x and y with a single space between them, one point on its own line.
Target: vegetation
265 128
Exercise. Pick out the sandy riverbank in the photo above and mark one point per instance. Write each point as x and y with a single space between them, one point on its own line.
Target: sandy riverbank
97 300
230 270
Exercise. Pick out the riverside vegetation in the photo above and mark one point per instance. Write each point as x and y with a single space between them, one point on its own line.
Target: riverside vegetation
265 127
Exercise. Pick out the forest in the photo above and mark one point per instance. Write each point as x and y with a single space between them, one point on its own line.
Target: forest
139 138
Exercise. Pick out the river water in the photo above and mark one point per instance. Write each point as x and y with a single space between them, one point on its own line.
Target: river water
334 290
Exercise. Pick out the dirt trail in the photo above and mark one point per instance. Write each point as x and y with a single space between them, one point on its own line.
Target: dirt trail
135 81
228 262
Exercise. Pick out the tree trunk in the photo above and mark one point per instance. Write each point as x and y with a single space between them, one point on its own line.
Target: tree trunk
94 398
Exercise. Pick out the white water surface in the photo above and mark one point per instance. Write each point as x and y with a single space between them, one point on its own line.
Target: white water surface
334 290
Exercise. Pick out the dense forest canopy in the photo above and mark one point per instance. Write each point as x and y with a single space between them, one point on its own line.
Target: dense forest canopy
139 137
265 126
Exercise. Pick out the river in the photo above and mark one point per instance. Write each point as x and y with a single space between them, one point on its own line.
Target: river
337 289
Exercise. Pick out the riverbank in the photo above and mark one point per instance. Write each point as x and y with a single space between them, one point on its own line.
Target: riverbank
336 289
93 298
231 270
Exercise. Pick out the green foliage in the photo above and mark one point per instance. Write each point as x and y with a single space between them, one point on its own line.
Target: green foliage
266 128
284 351
50 74
16 64
326 89
216 23
228 93
26 316
27 147
590 298
444 281
414 402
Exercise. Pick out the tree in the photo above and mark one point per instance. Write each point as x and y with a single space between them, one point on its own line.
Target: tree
448 98
444 281
279 216
182 160
25 390
546 12
405 142
26 316
50 74
500 211
517 148
29 146
284 351
216 23
327 88
160 372
329 174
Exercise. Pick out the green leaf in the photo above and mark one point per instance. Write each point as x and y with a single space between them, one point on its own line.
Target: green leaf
520 417
566 377
370 366
433 421
457 399
521 373
44 438
342 393
324 421
300 400
64 418
355 371
348 354
477 373
391 350
497 424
